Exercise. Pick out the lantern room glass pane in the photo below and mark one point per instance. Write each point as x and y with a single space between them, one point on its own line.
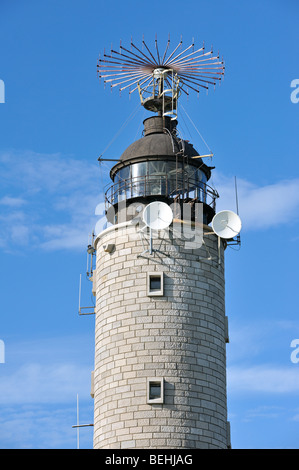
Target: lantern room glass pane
160 177
122 174
138 169
157 167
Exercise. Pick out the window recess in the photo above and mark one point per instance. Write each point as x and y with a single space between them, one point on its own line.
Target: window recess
155 284
155 390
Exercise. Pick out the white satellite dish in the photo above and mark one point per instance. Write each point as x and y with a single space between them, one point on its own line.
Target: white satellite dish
157 215
226 224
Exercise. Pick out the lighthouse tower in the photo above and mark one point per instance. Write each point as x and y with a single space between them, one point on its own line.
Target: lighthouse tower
159 378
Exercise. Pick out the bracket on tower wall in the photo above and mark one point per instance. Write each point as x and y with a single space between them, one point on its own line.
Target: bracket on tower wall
149 250
210 257
92 308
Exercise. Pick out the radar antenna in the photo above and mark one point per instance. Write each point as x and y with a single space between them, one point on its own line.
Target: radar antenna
161 78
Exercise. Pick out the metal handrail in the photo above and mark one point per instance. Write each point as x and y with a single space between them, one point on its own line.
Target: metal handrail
163 185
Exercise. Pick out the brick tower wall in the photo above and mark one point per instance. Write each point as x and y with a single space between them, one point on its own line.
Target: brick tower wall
178 337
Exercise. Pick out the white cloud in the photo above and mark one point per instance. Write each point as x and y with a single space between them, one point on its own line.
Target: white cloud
44 383
12 201
49 201
52 201
40 380
33 172
265 411
43 427
68 236
260 338
46 370
20 234
260 207
264 378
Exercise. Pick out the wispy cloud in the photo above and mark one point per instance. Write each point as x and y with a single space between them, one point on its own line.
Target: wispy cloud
258 339
259 357
265 411
49 369
44 383
12 201
263 378
39 384
37 426
52 201
47 200
260 207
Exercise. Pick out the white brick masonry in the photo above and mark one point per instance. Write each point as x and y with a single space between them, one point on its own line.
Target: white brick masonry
180 337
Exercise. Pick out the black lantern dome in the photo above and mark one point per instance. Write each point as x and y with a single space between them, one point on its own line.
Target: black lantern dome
161 166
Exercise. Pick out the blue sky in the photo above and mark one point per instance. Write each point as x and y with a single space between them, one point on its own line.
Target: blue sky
55 122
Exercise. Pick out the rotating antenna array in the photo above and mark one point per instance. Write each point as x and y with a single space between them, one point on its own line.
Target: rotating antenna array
160 78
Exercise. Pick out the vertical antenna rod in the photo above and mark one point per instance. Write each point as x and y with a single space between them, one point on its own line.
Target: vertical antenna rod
77 421
236 191
80 295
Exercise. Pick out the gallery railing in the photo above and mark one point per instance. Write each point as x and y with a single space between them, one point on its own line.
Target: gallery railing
162 185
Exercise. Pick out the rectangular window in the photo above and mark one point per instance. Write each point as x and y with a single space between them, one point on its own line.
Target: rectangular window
155 390
155 283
